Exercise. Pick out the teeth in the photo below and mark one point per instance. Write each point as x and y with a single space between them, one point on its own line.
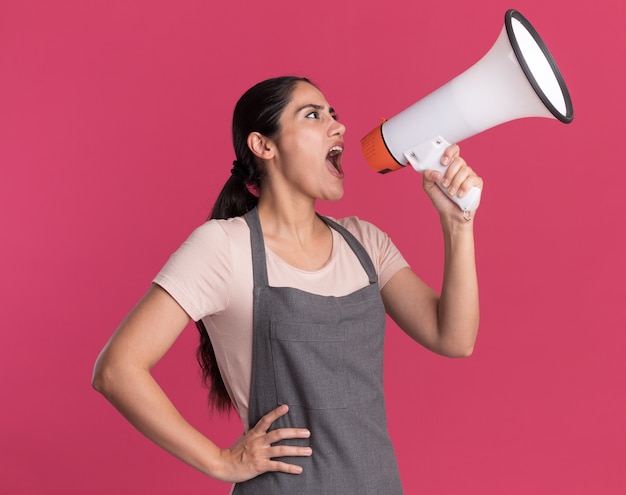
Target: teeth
335 150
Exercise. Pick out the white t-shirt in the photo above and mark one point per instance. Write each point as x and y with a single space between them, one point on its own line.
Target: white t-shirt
210 276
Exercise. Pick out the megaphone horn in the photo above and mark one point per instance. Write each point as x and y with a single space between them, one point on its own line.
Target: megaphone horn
517 78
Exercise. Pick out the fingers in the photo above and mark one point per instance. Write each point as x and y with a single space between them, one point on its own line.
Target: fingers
286 451
275 436
450 153
256 451
266 421
264 424
263 458
279 434
459 178
283 467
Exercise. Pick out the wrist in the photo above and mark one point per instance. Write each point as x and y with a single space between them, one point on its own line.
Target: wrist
207 458
457 221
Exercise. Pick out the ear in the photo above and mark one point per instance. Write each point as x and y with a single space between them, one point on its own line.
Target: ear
261 146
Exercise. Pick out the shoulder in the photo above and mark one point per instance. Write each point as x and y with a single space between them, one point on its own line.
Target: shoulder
373 239
381 249
210 248
212 229
214 236
201 272
363 230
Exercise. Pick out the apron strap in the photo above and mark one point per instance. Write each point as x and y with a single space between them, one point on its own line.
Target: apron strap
259 266
357 247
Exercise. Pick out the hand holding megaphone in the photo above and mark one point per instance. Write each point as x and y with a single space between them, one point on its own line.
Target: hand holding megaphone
427 156
517 78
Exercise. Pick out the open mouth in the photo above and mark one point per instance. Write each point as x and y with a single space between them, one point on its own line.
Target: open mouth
334 158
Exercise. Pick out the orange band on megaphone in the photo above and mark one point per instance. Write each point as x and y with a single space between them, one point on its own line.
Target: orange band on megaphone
377 154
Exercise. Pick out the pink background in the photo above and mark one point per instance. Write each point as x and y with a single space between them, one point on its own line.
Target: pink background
114 141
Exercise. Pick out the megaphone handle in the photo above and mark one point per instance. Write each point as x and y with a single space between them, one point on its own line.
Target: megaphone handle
427 156
467 202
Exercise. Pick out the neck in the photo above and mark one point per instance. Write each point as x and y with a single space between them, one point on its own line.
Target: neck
285 218
296 234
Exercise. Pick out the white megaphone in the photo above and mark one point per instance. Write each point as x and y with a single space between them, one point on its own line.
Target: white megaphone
517 78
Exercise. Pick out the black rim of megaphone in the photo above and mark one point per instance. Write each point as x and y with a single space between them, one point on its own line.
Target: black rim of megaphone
567 118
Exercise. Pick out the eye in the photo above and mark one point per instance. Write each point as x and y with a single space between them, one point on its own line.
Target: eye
313 115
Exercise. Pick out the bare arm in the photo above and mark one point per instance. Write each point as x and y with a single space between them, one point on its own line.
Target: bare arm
122 375
447 323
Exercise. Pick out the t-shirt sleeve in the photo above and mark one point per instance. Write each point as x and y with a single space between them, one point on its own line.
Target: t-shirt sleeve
385 255
199 274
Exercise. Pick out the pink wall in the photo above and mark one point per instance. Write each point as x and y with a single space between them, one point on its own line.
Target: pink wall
114 141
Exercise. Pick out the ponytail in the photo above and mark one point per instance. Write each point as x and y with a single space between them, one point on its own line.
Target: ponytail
240 193
258 110
235 199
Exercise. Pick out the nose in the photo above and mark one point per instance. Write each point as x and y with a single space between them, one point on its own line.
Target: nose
337 128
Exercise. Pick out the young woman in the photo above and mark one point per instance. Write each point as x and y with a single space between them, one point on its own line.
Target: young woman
291 311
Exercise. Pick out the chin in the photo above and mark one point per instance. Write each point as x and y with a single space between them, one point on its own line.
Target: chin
331 192
333 197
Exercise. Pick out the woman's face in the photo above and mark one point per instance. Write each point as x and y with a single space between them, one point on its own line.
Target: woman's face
310 145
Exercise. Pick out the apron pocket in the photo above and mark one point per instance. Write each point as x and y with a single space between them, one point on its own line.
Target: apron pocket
307 360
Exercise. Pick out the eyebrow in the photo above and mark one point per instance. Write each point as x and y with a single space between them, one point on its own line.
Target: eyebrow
331 110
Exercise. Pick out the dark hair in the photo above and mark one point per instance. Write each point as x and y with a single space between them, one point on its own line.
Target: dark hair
258 110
